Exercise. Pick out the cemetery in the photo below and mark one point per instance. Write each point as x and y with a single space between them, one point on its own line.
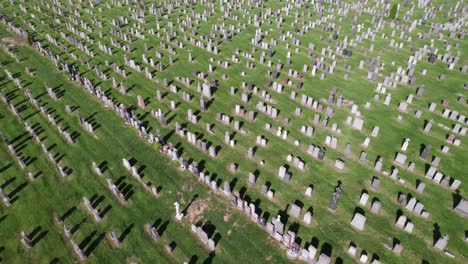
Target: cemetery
233 131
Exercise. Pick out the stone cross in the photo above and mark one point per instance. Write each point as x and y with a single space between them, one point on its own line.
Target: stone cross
178 214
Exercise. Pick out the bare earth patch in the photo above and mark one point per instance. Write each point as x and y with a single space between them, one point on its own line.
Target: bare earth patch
197 208
12 40
347 102
186 188
133 260
227 217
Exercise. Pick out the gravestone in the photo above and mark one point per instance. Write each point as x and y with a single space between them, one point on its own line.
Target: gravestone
334 201
375 183
375 207
307 218
441 243
295 210
425 152
358 221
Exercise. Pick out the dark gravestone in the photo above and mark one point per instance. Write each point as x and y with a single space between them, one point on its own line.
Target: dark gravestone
334 200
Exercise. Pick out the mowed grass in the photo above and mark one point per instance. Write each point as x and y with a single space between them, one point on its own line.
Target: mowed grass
38 200
333 229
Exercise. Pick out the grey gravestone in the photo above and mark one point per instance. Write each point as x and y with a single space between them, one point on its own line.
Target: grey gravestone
252 178
425 152
334 200
358 221
375 207
295 210
363 156
375 183
420 187
441 243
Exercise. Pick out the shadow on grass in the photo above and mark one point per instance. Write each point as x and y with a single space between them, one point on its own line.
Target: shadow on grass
194 197
210 258
326 249
87 240
163 228
95 244
8 182
436 233
68 212
6 167
193 259
17 189
456 198
126 232
3 219
77 226
39 237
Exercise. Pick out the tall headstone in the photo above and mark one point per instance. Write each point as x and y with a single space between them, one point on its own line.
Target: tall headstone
334 201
